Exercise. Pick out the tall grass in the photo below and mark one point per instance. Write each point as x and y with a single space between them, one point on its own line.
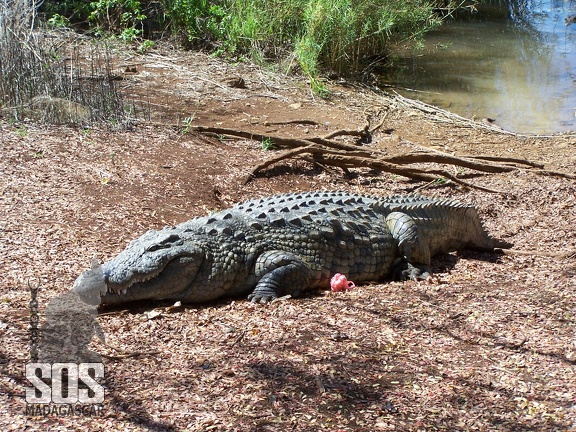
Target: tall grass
323 34
335 35
45 79
340 34
191 19
265 29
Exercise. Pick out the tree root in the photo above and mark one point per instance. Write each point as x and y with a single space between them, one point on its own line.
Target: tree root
327 152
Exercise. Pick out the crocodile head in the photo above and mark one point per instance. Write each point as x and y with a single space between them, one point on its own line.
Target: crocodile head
158 265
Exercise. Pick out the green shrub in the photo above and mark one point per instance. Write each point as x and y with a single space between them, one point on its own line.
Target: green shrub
323 34
197 20
265 29
339 34
122 17
335 35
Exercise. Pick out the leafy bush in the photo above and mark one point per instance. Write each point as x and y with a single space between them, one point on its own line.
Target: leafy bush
196 20
122 17
322 35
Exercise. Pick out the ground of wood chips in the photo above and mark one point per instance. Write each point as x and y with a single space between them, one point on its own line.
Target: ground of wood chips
487 344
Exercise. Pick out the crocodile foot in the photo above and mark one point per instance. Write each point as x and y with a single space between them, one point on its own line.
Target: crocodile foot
403 270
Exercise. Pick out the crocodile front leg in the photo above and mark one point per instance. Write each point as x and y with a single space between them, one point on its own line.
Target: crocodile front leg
414 261
280 273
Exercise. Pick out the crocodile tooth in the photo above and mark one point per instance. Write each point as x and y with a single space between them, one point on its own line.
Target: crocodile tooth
124 291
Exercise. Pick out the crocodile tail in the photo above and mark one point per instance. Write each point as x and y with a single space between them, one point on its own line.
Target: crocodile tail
481 240
501 244
489 244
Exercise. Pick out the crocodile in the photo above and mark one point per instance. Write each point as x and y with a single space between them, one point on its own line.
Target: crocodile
285 244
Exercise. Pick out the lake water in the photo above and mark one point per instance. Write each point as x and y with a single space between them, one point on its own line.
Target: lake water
516 64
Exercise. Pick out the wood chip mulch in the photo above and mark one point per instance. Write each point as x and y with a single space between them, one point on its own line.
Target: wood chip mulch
487 344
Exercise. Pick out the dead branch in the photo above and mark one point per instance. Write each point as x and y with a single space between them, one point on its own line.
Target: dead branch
426 175
278 141
328 152
336 158
508 160
443 158
549 173
342 132
288 122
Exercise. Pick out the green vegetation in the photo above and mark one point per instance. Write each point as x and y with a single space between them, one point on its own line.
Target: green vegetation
268 144
316 35
187 124
41 78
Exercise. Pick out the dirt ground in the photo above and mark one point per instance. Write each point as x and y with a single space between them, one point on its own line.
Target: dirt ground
488 343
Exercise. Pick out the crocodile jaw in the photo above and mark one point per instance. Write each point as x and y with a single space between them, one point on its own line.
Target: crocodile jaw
158 265
168 282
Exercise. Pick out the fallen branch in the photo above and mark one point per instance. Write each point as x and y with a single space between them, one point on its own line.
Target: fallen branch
426 175
332 157
327 152
288 122
278 141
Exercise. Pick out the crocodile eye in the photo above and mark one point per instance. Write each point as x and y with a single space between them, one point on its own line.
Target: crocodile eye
168 242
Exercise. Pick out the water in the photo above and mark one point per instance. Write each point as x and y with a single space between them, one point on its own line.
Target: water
516 64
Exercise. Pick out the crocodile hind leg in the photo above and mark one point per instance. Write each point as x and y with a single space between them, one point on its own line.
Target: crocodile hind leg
414 260
280 273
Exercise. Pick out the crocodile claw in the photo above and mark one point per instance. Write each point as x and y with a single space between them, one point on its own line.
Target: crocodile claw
404 270
263 299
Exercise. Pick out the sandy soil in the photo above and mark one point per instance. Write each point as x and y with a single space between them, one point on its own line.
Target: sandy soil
488 343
